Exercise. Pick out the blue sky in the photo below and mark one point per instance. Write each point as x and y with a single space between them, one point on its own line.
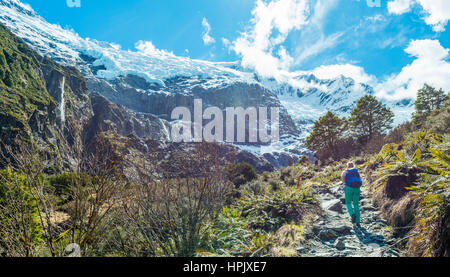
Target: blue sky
366 41
174 25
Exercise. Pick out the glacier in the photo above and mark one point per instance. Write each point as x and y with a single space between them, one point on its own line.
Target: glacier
68 48
304 96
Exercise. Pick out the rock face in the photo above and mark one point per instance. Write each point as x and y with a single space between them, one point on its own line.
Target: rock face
137 94
146 133
156 82
51 104
153 84
111 117
40 99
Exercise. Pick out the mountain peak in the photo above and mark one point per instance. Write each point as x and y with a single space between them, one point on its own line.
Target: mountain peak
109 60
305 96
18 6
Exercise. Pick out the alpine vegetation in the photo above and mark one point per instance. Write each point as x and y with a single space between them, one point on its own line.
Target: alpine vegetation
111 152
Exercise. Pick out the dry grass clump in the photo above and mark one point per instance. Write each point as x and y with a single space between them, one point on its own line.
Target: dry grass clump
400 214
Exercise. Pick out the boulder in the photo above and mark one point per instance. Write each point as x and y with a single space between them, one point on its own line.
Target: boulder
337 190
328 235
333 205
340 244
342 229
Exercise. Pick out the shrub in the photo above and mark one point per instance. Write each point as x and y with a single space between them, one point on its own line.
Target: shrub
168 214
421 141
20 226
399 133
285 173
304 160
433 217
414 192
257 187
374 144
231 235
241 173
439 120
270 210
274 184
397 176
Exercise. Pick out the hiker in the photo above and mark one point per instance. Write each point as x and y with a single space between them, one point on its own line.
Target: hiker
353 183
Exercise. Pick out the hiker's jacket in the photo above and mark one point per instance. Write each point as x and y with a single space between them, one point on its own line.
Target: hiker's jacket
351 178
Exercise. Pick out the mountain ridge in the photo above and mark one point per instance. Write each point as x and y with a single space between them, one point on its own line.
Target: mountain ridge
151 80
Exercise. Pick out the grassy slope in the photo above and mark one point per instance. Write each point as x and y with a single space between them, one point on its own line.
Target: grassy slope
409 182
268 218
411 185
22 88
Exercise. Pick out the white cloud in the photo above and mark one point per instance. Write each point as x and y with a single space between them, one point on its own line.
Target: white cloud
400 6
375 18
437 12
147 48
207 39
400 39
313 39
271 23
322 43
321 10
357 73
431 66
226 42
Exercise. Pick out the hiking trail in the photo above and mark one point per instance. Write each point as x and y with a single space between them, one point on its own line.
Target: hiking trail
333 235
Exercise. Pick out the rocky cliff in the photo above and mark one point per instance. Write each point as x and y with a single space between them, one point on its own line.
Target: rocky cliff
47 104
40 100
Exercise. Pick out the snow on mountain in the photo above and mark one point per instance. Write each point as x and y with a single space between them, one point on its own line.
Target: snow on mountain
67 47
307 98
304 96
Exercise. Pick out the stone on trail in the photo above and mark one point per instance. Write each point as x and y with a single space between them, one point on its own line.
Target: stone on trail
340 244
333 235
373 246
316 228
365 202
342 229
328 235
368 209
334 205
337 190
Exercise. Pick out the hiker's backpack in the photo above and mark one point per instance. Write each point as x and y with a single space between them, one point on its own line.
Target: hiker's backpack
353 179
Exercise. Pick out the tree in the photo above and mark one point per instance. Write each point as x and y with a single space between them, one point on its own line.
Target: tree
428 100
439 120
369 118
327 133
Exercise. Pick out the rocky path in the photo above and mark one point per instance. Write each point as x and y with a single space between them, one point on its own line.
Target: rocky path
333 235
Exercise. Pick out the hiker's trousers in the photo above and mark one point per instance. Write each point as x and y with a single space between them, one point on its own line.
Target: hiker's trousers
352 201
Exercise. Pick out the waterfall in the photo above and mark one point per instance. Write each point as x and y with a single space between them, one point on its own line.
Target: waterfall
62 105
